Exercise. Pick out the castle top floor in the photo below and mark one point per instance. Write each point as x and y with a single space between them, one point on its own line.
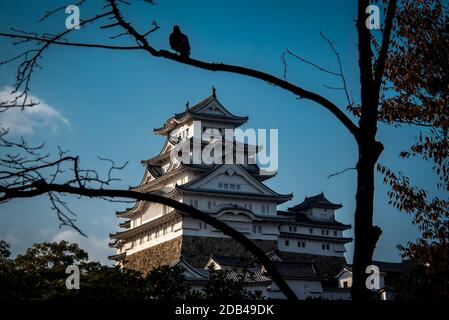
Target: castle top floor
210 112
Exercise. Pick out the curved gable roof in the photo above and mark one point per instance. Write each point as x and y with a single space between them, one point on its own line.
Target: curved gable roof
317 201
238 169
208 109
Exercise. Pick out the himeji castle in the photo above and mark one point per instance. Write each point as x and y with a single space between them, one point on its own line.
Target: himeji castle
306 242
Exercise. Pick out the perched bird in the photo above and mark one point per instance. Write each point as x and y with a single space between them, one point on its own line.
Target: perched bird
179 42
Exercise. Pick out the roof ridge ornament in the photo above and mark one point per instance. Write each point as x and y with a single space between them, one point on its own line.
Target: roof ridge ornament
187 106
214 92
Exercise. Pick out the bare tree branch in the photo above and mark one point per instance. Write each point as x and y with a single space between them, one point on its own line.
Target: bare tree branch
30 62
41 187
340 172
140 39
65 43
340 67
27 67
311 63
23 173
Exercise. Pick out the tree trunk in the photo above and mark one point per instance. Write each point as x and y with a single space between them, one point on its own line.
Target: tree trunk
365 234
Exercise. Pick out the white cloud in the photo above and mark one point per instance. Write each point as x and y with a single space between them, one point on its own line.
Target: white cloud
96 247
11 238
29 120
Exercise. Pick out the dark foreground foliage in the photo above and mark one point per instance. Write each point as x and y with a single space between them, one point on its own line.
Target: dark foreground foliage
40 274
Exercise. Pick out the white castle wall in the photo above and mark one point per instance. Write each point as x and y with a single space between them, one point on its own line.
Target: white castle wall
311 246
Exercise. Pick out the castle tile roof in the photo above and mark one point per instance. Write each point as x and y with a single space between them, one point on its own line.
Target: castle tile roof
317 201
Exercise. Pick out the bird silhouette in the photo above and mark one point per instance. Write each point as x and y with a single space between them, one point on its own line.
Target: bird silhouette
179 42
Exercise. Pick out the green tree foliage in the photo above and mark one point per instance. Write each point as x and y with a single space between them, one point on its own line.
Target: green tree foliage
5 253
40 274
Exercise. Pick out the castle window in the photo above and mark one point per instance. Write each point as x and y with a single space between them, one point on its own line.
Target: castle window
335 233
220 185
323 246
259 228
265 208
327 232
327 247
238 187
311 230
225 185
194 203
287 242
253 227
232 186
303 245
209 205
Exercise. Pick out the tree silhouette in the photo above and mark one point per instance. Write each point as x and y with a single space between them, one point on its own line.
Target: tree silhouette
375 58
39 274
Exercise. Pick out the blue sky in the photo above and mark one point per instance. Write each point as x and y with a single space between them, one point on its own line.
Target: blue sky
108 102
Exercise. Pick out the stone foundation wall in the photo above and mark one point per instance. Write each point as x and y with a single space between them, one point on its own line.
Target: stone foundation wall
159 255
197 250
